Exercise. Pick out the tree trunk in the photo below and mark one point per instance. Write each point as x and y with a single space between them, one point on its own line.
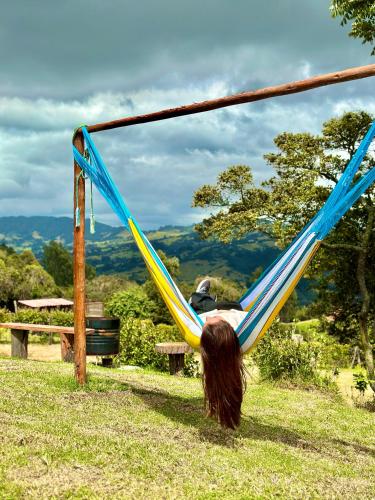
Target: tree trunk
365 309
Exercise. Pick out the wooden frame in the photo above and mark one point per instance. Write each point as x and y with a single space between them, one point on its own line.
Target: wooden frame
200 107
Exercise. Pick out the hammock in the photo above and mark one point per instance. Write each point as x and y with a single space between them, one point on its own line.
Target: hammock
269 293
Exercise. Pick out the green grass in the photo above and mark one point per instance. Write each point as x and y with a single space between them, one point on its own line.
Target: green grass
141 434
305 325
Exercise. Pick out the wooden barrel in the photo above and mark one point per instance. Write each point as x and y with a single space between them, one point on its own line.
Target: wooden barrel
106 338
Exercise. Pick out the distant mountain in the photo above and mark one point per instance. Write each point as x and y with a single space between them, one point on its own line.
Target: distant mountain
112 250
34 232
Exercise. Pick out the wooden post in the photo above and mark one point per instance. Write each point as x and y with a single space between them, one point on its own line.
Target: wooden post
176 352
79 270
176 364
20 340
67 343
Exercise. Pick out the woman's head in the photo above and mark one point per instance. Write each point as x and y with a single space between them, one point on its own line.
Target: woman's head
223 372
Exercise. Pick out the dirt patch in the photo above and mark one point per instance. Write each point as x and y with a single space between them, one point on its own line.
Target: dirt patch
41 352
350 394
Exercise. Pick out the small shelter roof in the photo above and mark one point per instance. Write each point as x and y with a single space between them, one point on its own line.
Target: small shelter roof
40 303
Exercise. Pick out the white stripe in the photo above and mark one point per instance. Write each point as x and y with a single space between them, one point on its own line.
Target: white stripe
269 276
267 313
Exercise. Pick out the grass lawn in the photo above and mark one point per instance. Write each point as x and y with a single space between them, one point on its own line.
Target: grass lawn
141 434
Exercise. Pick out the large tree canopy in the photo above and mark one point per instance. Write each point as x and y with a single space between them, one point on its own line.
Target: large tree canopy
22 277
306 168
58 262
361 13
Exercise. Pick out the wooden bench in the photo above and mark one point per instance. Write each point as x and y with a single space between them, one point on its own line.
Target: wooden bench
20 338
176 352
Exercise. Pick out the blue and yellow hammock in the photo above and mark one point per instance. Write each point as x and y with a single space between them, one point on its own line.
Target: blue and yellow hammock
269 293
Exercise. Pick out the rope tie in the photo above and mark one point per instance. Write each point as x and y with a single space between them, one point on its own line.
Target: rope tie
78 211
86 155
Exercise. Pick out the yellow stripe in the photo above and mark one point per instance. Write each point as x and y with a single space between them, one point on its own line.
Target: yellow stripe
247 308
191 338
165 289
158 276
285 297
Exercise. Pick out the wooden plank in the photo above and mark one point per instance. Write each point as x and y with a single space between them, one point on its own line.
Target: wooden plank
79 270
241 98
173 348
20 339
43 328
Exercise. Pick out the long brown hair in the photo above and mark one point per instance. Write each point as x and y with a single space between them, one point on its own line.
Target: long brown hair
224 374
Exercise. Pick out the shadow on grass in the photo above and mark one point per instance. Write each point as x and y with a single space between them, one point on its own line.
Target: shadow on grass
189 411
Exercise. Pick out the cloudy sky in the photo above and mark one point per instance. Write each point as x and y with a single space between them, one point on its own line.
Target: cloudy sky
85 61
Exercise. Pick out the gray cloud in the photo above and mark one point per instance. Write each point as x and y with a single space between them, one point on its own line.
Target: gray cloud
85 61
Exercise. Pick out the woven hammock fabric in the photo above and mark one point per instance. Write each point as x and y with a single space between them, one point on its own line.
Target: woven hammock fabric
269 293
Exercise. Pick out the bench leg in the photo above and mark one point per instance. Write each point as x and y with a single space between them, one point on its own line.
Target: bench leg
67 343
20 340
176 363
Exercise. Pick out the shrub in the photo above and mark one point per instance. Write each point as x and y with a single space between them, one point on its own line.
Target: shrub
4 315
192 366
361 382
132 303
102 287
333 355
137 342
61 318
279 357
57 317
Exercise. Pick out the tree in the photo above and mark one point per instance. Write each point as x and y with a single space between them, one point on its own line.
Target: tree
102 287
306 168
130 303
58 262
361 13
22 277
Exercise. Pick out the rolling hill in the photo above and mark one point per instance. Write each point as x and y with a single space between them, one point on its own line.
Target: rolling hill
111 249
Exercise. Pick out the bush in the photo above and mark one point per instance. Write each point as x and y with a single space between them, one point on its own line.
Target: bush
60 318
4 315
333 355
137 343
57 317
132 303
102 287
279 357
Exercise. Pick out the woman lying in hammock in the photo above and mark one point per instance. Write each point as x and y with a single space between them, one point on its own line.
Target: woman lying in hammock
224 373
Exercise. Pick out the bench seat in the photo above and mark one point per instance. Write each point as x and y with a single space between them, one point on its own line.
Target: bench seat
20 337
32 327
176 352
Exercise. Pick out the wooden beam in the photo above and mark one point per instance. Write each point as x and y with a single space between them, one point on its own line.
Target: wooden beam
79 269
250 96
